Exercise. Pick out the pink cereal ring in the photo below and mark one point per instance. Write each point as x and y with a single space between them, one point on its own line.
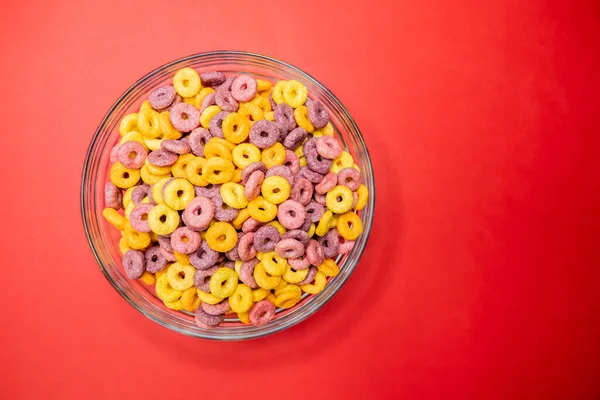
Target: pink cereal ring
155 260
175 146
354 199
289 248
328 147
312 271
253 185
243 88
247 273
320 198
138 218
255 166
225 101
162 158
291 161
132 155
314 253
134 264
209 190
291 214
184 117
262 312
169 256
113 197
209 100
205 320
299 263
246 249
345 246
199 213
297 234
250 225
329 181
114 153
349 177
283 171
185 241
198 139
314 211
202 278
162 97
216 309
302 191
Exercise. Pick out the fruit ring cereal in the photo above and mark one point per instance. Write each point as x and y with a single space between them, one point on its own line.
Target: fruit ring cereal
162 97
264 134
205 257
155 260
266 238
243 88
317 113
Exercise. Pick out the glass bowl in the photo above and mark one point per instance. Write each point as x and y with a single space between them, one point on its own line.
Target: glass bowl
104 238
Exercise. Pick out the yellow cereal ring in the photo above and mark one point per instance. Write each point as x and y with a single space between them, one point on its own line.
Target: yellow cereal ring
162 272
153 169
271 298
292 276
275 189
163 220
227 143
128 209
363 195
259 294
262 85
152 144
270 116
218 170
208 298
223 282
324 222
245 154
349 226
236 127
123 177
262 103
115 219
274 155
222 237
289 287
178 169
274 264
328 130
190 100
294 93
244 319
251 111
334 221
201 95
193 171
146 106
164 291
265 280
242 216
312 230
301 117
208 113
287 300
136 240
262 210
344 160
188 297
178 193
181 276
166 128
195 300
187 82
150 178
123 246
241 299
328 267
181 258
281 285
216 148
148 278
148 123
317 286
299 152
128 124
280 228
339 199
127 196
233 195
157 190
277 92
356 167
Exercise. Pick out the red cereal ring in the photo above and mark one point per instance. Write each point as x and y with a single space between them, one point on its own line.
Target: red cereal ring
243 88
205 320
138 218
247 273
225 101
261 313
314 211
162 97
309 278
281 170
207 101
264 134
250 225
184 117
328 182
289 248
302 191
216 124
295 138
216 309
291 214
212 78
266 238
253 185
209 190
202 278
297 234
185 241
198 139
328 147
175 146
113 197
314 253
162 158
205 257
345 246
134 264
132 155
292 162
317 114
246 250
248 170
299 263
349 177
320 198
198 213
155 260
330 243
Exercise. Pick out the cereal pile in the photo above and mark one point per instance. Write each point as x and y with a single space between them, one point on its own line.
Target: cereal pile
235 195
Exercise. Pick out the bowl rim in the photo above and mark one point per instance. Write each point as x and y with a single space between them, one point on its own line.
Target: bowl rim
95 137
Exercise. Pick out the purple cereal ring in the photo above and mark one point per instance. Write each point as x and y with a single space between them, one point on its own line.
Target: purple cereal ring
114 153
253 185
317 163
264 134
165 243
243 88
291 214
255 166
132 155
310 144
246 250
299 263
139 192
292 161
289 248
314 211
297 234
205 320
198 139
226 85
184 117
207 101
138 218
250 225
202 278
314 253
328 147
162 158
273 104
226 102
281 170
113 197
185 241
330 243
222 211
306 225
345 246
261 313
216 309
212 78
198 213
169 256
247 273
295 138
162 97
175 146
309 278
216 124
265 238
209 190
205 257
302 191
134 264
155 260
320 198
328 182
233 254
284 116
312 176
178 99
349 177
317 114
229 264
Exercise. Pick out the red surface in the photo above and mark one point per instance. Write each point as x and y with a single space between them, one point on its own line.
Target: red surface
481 277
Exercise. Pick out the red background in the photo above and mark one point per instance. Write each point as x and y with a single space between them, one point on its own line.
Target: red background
480 280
